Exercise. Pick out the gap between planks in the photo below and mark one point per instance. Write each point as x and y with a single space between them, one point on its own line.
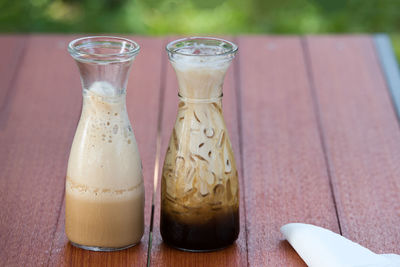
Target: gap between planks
361 133
317 112
238 91
157 166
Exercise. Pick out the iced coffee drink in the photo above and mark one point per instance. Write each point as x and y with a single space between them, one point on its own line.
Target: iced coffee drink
104 199
200 192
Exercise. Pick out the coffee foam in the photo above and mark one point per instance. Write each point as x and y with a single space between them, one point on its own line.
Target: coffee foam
203 62
103 88
201 55
104 185
104 156
200 77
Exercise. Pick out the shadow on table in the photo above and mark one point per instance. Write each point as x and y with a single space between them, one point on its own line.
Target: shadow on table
73 256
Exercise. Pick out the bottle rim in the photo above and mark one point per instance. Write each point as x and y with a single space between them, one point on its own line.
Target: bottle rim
89 49
178 46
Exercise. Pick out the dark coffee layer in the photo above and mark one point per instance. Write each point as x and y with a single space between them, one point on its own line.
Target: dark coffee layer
218 232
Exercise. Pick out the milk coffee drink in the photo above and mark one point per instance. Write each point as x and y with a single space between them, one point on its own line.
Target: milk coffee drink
104 185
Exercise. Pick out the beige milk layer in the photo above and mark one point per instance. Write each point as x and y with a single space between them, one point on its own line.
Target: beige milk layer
199 175
104 187
200 78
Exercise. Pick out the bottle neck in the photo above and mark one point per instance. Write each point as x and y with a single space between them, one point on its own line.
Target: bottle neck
185 99
108 80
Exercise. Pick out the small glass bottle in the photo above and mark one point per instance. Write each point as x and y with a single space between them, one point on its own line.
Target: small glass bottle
199 187
104 198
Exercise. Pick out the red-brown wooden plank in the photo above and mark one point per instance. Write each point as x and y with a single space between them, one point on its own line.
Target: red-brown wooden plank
34 151
35 146
235 255
143 108
11 53
285 173
362 139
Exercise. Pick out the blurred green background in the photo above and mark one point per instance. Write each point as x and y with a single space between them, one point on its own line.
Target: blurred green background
158 17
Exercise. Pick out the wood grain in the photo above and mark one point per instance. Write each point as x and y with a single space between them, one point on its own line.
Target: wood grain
12 52
362 139
285 175
143 108
235 255
284 105
34 149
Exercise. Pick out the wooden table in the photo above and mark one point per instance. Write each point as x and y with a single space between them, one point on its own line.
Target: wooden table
312 122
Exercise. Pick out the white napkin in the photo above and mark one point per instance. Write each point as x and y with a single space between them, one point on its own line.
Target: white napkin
319 247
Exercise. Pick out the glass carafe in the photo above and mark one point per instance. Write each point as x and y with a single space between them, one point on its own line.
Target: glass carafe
199 187
104 198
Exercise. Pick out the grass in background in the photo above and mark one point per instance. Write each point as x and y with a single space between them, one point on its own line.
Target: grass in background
396 44
158 17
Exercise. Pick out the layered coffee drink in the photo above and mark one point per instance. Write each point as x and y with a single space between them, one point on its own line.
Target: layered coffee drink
104 186
200 191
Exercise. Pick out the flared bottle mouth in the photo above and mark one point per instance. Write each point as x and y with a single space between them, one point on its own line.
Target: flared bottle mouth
202 47
103 49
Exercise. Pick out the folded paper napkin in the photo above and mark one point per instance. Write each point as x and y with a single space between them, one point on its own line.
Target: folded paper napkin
319 247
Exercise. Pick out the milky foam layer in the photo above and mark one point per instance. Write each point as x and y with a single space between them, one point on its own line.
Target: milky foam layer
200 80
182 62
104 89
104 155
104 201
202 52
